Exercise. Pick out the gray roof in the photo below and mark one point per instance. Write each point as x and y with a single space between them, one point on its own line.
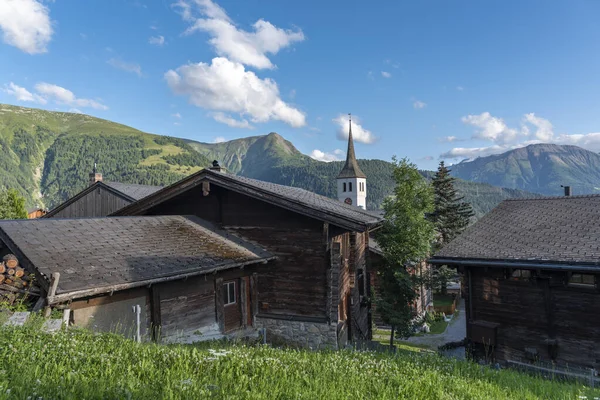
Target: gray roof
292 198
134 191
351 168
563 230
96 253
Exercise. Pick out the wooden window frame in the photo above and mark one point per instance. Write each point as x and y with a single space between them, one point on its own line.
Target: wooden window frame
582 285
226 286
520 278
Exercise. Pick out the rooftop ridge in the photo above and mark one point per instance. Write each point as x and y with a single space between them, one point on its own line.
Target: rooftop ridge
559 197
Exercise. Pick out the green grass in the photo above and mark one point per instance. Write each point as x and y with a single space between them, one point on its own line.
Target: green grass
80 365
442 300
437 327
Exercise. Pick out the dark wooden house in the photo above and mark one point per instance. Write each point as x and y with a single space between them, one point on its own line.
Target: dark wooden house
190 280
315 292
531 275
424 299
100 199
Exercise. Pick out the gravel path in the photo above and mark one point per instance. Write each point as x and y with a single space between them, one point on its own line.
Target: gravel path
456 331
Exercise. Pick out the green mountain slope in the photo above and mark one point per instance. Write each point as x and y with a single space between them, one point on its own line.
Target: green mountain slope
539 168
47 156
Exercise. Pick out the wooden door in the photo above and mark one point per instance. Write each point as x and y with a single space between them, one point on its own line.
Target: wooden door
232 302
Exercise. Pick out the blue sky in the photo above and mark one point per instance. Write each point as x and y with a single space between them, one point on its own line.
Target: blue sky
427 79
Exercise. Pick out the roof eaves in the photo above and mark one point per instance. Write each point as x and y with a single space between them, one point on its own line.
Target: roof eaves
24 261
78 294
532 264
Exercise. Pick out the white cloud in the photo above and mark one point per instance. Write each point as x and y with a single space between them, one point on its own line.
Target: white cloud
26 25
125 66
157 40
249 48
219 139
22 94
75 111
473 152
460 88
386 74
544 131
449 139
491 128
65 96
504 138
226 86
232 122
336 155
419 105
176 115
359 134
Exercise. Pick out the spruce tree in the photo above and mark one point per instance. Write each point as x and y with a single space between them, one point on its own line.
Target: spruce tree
451 214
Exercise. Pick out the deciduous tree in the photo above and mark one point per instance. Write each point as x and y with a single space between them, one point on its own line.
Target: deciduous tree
12 205
405 239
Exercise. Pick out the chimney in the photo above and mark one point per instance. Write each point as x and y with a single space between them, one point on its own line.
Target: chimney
217 168
567 190
95 176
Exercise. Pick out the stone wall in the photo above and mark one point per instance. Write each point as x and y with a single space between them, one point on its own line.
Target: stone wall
313 335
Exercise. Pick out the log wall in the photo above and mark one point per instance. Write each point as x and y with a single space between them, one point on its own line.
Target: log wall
531 315
98 203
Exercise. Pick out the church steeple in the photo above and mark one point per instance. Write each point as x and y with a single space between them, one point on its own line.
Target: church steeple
351 168
351 181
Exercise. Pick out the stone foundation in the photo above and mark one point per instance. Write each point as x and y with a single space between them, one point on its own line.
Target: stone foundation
314 335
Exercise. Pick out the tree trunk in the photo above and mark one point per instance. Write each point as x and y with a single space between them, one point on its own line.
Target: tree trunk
392 336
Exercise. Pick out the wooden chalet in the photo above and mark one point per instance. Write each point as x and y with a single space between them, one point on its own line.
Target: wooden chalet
532 272
316 291
100 199
424 300
186 280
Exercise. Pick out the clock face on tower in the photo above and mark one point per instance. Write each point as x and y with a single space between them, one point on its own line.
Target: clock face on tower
348 200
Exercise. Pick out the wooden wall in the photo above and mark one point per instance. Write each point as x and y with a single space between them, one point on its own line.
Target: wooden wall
295 284
186 306
532 314
98 203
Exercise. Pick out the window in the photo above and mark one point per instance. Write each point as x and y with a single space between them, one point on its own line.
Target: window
344 186
229 293
583 280
520 274
349 186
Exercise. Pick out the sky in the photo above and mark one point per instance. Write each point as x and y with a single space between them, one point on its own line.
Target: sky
427 80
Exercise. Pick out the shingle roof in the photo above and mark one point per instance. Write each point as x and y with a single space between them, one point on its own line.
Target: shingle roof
134 191
93 253
293 198
547 229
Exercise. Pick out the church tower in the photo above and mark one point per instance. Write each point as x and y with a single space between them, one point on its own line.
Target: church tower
351 181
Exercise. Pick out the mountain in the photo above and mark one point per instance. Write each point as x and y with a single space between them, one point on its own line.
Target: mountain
48 155
538 168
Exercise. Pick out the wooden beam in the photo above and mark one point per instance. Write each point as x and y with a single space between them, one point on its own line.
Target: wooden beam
53 284
220 306
155 315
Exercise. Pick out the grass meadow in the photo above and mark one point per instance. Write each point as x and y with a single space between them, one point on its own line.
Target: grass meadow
77 364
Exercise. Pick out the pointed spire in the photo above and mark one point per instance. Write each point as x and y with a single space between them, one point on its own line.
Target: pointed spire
351 168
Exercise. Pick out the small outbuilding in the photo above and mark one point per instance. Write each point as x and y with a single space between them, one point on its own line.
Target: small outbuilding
190 280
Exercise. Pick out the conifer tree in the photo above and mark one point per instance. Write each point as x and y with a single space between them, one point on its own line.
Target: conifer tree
451 214
405 239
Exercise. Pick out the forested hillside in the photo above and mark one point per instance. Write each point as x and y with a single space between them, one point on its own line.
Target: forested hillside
47 156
